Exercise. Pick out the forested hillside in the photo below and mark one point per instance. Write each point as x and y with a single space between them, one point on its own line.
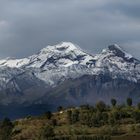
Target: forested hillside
99 122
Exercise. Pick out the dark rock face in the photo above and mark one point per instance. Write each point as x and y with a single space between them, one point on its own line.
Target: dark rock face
90 89
73 92
21 88
116 50
120 53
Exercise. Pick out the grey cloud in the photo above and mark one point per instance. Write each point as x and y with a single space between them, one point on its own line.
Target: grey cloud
26 26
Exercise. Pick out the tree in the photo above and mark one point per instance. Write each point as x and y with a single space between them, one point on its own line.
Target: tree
54 122
60 108
85 107
129 101
136 116
105 117
113 102
101 106
69 116
75 116
47 132
138 105
111 119
6 129
48 114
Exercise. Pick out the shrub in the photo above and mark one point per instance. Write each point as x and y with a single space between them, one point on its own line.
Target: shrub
136 116
113 102
6 129
101 106
46 132
129 101
48 114
138 105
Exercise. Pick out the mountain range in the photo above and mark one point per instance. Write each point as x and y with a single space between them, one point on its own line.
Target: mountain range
64 74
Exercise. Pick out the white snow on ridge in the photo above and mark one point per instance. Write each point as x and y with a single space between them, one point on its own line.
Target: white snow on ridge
66 60
64 54
117 47
127 55
14 62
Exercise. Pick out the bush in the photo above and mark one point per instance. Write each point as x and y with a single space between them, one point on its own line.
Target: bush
48 114
138 105
53 122
6 129
109 130
60 108
69 116
93 138
46 132
75 116
101 106
113 102
129 101
136 116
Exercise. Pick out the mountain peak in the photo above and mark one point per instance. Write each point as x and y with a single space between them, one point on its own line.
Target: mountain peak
115 47
63 46
64 54
117 50
69 45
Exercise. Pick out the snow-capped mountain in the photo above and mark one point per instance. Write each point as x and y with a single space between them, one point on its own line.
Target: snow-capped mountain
66 74
66 60
53 63
65 53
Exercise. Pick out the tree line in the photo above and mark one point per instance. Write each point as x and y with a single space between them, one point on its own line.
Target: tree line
100 115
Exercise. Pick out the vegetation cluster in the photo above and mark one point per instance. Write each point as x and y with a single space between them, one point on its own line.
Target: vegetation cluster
98 122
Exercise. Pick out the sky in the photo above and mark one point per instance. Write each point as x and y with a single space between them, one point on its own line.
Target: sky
26 26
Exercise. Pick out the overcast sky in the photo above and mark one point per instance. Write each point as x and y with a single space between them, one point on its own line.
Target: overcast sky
26 26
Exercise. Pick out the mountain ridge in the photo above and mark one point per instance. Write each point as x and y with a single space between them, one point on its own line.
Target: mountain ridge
69 55
61 46
67 75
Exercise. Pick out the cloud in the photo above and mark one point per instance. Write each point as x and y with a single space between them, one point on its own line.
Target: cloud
3 23
26 26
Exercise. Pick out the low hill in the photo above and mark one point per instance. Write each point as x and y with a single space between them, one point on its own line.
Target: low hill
99 122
